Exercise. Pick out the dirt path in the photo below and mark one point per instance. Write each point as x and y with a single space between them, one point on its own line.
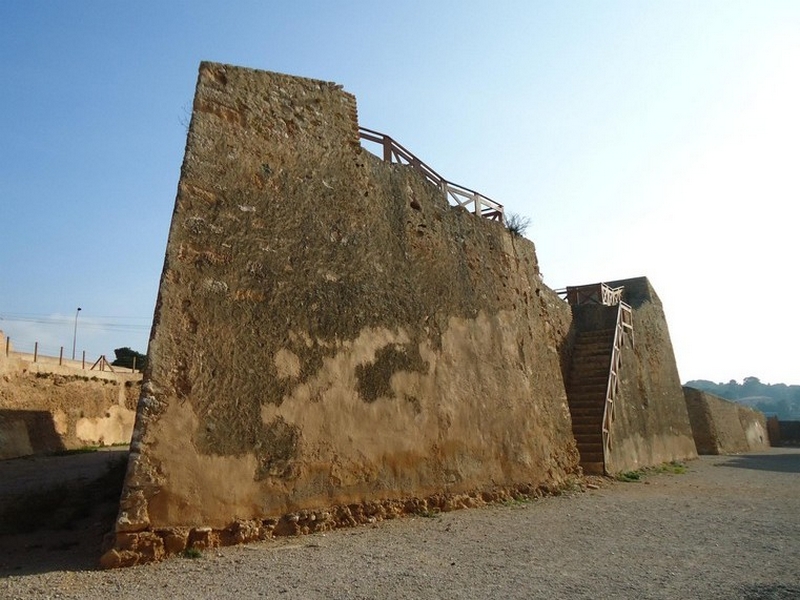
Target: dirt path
728 528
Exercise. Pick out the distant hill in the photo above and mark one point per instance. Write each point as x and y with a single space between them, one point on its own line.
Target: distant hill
777 399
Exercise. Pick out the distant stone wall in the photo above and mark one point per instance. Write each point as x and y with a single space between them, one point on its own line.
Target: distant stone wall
783 433
651 425
333 343
45 409
723 427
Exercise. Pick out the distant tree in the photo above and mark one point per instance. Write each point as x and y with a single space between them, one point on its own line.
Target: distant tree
125 357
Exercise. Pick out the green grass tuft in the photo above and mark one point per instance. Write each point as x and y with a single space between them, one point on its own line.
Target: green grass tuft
192 553
630 476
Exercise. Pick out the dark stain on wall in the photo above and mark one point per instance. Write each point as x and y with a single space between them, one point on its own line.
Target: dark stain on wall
374 379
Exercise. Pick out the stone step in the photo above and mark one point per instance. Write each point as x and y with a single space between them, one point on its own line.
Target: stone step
589 351
582 341
592 379
591 447
577 383
584 412
587 363
586 393
590 341
587 428
593 398
580 392
589 444
587 422
593 468
597 333
587 405
588 457
594 421
591 358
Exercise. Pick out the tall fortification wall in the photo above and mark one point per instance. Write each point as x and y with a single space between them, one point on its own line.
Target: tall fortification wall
333 343
48 408
723 427
651 425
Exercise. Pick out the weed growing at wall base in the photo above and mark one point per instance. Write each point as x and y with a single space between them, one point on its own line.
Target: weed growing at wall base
675 468
192 553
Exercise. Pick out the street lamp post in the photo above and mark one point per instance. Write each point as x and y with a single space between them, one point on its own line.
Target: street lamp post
75 332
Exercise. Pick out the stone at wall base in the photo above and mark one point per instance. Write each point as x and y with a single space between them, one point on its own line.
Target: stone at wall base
151 546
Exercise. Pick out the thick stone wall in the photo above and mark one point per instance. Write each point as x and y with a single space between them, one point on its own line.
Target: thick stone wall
45 409
723 427
651 425
333 343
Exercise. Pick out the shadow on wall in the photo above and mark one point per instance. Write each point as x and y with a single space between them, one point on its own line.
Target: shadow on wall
779 463
26 432
566 349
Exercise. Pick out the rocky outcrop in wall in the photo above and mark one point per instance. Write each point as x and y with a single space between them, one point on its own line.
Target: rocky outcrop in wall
723 427
651 425
333 343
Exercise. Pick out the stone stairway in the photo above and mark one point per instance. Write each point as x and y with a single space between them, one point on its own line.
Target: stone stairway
586 393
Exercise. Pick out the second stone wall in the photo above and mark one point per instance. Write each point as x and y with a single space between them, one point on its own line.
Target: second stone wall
43 412
723 427
651 425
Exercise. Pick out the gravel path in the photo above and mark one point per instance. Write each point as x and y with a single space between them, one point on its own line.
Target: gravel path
728 528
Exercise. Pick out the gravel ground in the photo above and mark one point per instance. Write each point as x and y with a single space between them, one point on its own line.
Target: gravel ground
727 528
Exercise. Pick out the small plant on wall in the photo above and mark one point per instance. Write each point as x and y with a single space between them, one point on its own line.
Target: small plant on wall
517 224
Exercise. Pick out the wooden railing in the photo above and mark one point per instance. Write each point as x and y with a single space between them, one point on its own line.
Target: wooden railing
596 293
624 326
476 203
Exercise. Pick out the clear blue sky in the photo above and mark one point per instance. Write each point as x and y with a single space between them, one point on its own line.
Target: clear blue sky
641 138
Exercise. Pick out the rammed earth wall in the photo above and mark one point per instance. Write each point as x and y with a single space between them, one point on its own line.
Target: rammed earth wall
333 343
46 408
723 427
651 425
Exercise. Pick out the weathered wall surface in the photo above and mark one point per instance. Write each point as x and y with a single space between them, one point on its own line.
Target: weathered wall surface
42 411
330 333
651 425
723 427
754 425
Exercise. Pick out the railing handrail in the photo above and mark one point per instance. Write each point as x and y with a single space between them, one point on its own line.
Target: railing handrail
594 293
393 151
624 325
611 296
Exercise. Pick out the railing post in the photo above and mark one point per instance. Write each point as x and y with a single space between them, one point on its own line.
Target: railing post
133 367
8 345
35 351
60 356
83 361
387 149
